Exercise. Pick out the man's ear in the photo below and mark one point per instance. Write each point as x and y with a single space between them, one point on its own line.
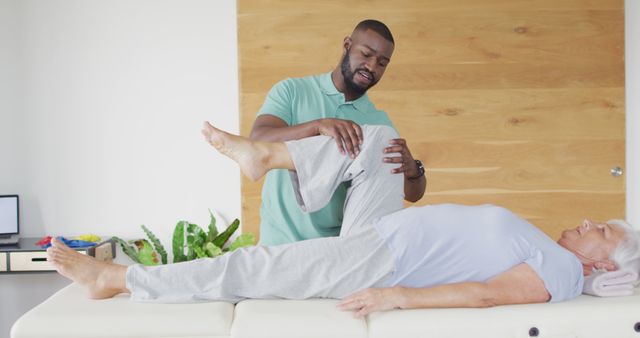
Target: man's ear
606 265
346 44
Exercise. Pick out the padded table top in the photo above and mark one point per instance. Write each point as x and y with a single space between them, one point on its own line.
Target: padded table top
69 314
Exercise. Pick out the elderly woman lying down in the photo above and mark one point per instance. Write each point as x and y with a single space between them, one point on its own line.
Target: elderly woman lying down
385 257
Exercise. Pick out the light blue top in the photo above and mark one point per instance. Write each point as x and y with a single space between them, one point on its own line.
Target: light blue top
297 101
447 243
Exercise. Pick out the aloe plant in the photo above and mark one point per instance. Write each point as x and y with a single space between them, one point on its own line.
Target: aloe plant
199 243
221 239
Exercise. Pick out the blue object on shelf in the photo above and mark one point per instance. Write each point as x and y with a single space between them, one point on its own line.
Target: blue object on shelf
72 243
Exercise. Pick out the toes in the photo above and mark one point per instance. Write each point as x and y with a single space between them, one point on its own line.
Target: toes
59 245
51 256
208 127
58 252
55 242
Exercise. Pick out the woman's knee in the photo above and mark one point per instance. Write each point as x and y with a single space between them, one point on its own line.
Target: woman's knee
378 135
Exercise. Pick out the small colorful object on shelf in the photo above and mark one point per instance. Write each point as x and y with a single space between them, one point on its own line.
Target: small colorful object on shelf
89 238
45 242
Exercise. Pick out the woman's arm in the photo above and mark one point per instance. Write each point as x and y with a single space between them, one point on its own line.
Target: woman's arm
519 285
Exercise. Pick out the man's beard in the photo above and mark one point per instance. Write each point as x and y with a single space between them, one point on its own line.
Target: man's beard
348 76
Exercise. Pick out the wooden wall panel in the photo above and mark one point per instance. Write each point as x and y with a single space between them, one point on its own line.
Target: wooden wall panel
513 102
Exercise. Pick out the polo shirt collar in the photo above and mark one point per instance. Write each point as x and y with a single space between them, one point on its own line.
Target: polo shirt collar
362 103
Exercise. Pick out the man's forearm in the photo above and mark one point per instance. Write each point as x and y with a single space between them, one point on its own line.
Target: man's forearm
414 189
285 133
468 294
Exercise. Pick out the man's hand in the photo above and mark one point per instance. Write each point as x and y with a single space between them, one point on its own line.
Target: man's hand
407 163
371 300
348 134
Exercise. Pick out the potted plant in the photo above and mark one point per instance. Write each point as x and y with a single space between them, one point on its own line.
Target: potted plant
199 243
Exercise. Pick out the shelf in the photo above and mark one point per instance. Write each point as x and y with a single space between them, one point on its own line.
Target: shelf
26 256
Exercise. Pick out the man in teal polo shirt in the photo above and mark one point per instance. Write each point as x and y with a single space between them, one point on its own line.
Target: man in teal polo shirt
333 104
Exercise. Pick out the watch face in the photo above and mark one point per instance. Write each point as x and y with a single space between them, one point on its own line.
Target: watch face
420 170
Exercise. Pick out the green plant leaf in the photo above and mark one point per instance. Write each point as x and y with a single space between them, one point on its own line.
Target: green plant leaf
195 240
178 243
157 245
199 252
213 231
247 239
146 254
212 250
221 239
128 249
199 236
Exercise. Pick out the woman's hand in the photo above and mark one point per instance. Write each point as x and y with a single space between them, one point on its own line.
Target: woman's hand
372 300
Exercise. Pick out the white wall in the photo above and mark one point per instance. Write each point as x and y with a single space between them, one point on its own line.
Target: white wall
11 117
115 96
632 76
101 106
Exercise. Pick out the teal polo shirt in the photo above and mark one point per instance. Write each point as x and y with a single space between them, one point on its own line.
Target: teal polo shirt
297 101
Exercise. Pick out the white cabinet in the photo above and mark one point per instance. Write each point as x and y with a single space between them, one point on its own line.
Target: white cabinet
3 261
27 256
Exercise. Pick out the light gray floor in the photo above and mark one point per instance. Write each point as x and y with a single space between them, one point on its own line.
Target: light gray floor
21 292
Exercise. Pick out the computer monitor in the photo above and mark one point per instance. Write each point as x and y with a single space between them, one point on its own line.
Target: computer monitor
9 219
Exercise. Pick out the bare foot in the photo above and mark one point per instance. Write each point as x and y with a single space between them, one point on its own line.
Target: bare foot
102 280
253 157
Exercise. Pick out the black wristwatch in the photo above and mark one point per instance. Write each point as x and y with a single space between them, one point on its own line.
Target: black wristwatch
420 171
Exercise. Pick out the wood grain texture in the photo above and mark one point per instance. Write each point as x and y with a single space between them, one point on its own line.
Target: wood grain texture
512 102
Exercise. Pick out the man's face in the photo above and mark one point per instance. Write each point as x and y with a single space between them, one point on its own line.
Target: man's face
365 60
592 241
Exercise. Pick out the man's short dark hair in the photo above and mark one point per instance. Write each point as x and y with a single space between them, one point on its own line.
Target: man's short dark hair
377 27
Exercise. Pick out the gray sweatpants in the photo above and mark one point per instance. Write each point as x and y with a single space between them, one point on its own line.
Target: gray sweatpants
331 267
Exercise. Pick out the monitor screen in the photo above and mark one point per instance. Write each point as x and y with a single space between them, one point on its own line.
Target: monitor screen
8 215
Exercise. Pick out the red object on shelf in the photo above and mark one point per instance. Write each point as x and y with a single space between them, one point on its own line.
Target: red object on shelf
44 241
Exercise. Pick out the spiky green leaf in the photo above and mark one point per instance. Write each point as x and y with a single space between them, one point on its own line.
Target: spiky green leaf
157 245
128 249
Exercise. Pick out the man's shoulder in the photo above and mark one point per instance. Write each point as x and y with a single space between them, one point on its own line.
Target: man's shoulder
374 115
310 81
374 109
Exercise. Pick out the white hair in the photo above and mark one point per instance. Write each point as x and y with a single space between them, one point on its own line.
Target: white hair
627 254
